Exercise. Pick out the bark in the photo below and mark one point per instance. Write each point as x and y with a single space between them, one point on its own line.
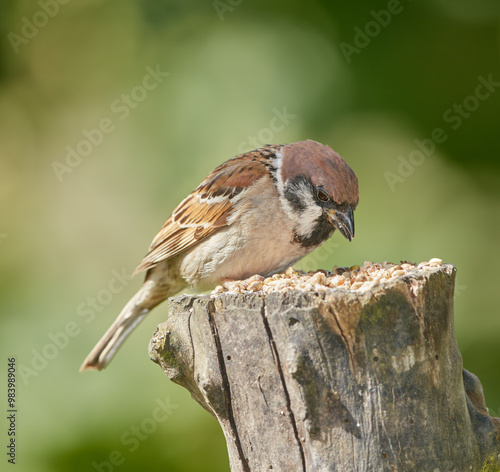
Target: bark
334 381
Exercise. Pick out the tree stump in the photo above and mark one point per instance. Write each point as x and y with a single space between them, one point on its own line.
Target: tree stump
334 381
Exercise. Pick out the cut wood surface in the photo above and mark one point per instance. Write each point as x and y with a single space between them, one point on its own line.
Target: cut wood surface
335 381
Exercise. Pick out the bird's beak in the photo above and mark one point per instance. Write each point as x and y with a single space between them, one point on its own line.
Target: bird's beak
343 221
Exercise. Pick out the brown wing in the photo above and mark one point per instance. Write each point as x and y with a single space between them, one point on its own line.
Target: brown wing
208 208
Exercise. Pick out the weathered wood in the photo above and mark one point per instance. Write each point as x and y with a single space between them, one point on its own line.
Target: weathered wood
334 381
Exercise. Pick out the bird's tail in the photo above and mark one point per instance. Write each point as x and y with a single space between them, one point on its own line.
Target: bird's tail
131 315
161 282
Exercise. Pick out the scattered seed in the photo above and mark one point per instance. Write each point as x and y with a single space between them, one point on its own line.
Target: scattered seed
436 261
318 278
354 278
255 286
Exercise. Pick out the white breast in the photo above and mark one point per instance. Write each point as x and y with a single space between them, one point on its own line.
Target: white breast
258 240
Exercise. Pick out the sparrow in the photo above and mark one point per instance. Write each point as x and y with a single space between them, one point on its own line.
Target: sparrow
257 213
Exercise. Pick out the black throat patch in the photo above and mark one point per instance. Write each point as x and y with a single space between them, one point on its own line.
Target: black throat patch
322 231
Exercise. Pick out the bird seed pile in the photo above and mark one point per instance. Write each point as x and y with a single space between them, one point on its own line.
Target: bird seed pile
348 278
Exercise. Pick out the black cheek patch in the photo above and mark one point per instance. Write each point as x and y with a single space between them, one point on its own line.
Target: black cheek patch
293 189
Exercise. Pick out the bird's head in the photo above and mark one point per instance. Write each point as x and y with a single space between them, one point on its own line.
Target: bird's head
318 190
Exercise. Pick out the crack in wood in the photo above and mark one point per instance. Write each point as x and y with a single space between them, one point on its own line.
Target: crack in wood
262 391
190 334
226 386
350 353
277 361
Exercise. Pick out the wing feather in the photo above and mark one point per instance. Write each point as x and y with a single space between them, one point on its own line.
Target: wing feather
208 208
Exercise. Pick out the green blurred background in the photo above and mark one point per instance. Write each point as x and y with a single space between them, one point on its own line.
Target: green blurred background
233 65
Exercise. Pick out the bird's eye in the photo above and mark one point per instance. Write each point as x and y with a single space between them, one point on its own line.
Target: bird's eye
322 194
